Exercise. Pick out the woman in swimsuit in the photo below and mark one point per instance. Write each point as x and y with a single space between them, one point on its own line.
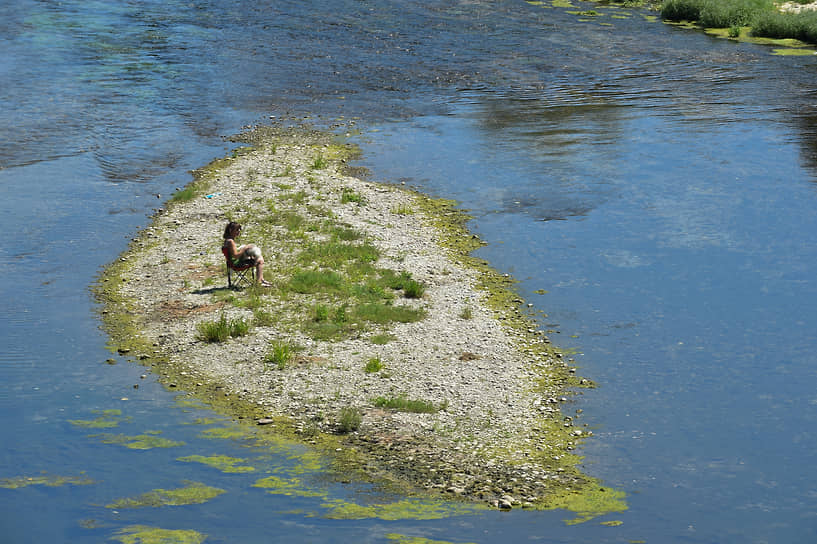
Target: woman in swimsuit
243 255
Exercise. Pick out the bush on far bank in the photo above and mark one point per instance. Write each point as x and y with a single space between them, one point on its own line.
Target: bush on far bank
800 26
716 13
762 16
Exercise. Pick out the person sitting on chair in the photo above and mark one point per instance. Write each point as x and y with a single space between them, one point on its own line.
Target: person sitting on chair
247 255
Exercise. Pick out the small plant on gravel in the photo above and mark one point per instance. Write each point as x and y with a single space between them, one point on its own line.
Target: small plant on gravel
373 365
320 162
349 419
321 313
402 209
348 195
402 403
413 289
386 313
280 354
222 329
340 316
466 313
314 281
184 195
263 318
383 339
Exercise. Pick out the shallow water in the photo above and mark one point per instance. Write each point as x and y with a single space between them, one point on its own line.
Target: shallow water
659 184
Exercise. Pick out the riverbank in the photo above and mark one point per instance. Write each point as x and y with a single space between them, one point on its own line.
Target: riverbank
382 340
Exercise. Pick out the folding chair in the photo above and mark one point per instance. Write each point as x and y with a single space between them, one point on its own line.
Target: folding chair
241 272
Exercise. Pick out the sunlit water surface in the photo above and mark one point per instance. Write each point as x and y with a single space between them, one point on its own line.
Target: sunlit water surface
657 184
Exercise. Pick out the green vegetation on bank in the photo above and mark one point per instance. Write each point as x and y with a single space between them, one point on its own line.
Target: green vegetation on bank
762 17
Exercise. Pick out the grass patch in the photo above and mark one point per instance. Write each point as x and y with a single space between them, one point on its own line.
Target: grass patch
185 195
348 195
317 281
263 318
402 209
402 403
349 419
328 323
466 313
413 289
386 313
320 162
382 339
280 354
375 364
222 329
335 254
403 281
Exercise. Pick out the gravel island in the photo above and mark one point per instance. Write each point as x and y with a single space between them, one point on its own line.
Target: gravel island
381 339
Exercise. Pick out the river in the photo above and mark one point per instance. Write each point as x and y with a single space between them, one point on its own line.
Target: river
652 188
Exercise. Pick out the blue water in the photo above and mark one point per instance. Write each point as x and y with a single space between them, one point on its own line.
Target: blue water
657 183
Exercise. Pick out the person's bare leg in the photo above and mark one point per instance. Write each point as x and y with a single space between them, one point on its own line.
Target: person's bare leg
259 271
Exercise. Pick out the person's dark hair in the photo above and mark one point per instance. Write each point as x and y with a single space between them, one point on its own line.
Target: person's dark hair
231 230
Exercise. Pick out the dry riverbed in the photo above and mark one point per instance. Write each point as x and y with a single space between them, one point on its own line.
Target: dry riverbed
456 393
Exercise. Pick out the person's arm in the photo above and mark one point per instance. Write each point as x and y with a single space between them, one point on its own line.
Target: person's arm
232 251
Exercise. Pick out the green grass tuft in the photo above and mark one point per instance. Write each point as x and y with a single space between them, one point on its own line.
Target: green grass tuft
348 195
317 281
385 313
403 404
222 329
280 354
373 365
320 162
349 419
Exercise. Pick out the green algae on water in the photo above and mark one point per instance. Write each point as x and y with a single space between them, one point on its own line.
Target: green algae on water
221 462
46 480
589 502
146 441
403 539
192 493
143 534
416 509
107 419
225 433
287 486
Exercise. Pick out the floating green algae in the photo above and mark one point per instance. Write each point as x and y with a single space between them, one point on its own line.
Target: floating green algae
46 480
225 433
143 534
287 486
588 502
417 509
403 539
106 420
221 462
309 461
146 441
206 421
794 52
192 493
